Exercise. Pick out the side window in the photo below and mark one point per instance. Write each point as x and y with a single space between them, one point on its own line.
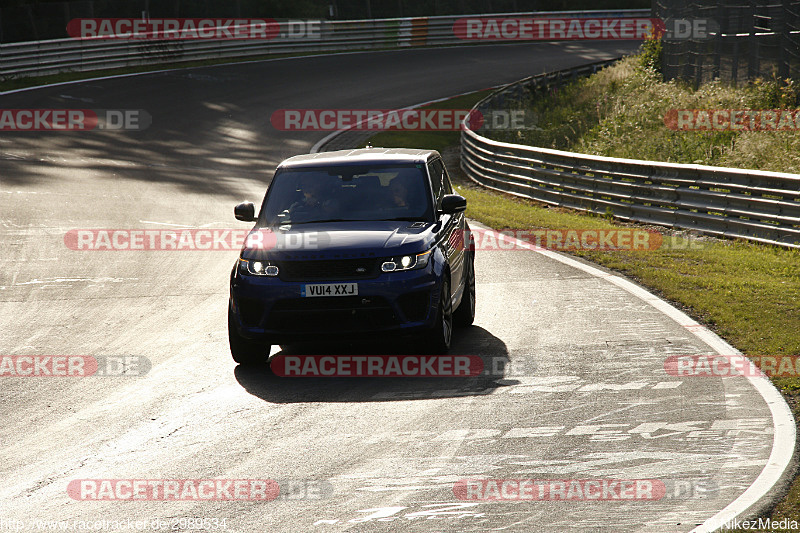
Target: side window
436 170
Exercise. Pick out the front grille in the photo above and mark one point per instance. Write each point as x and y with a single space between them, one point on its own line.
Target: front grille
331 315
325 303
335 270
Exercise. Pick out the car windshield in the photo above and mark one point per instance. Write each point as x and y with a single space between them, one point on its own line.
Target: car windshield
347 193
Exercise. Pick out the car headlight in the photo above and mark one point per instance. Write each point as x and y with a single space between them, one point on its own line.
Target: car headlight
406 262
258 267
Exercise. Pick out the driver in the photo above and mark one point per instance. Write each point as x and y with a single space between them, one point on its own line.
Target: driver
312 193
316 201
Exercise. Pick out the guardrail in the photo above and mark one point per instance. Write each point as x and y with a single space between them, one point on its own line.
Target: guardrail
40 58
750 204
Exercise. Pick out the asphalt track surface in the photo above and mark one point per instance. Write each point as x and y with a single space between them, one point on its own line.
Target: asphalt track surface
588 397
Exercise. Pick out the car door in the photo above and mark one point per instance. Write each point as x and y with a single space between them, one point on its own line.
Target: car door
453 226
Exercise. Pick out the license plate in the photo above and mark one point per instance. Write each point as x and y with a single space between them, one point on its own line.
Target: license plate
329 289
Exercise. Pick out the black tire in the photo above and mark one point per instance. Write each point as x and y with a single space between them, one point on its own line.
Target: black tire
464 315
439 337
245 351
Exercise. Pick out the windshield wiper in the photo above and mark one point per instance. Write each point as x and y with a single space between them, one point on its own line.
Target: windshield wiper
409 219
397 219
325 220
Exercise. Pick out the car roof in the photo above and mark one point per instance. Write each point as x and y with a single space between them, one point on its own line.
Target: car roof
361 155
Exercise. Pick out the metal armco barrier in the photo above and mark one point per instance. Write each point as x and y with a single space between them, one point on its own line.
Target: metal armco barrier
41 58
750 204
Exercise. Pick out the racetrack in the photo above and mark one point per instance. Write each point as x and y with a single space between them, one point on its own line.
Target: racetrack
591 399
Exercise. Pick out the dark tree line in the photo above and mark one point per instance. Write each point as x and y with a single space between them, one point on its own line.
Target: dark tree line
23 20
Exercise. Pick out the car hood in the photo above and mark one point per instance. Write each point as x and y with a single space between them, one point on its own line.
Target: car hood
339 240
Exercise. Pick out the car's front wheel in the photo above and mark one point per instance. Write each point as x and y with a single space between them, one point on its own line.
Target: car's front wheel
440 336
245 351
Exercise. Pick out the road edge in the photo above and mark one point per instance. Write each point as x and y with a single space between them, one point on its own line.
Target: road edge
781 463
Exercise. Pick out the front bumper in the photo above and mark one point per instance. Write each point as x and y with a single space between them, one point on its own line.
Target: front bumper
394 302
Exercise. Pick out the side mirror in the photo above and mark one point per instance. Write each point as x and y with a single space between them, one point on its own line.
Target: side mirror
245 212
453 203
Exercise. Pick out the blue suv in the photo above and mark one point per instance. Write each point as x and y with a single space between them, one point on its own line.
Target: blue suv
350 244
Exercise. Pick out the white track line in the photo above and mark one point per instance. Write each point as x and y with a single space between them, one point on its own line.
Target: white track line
315 149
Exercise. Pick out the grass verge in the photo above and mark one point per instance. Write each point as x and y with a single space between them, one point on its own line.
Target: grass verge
619 112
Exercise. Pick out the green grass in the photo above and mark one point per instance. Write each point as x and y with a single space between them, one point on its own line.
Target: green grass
748 293
620 111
